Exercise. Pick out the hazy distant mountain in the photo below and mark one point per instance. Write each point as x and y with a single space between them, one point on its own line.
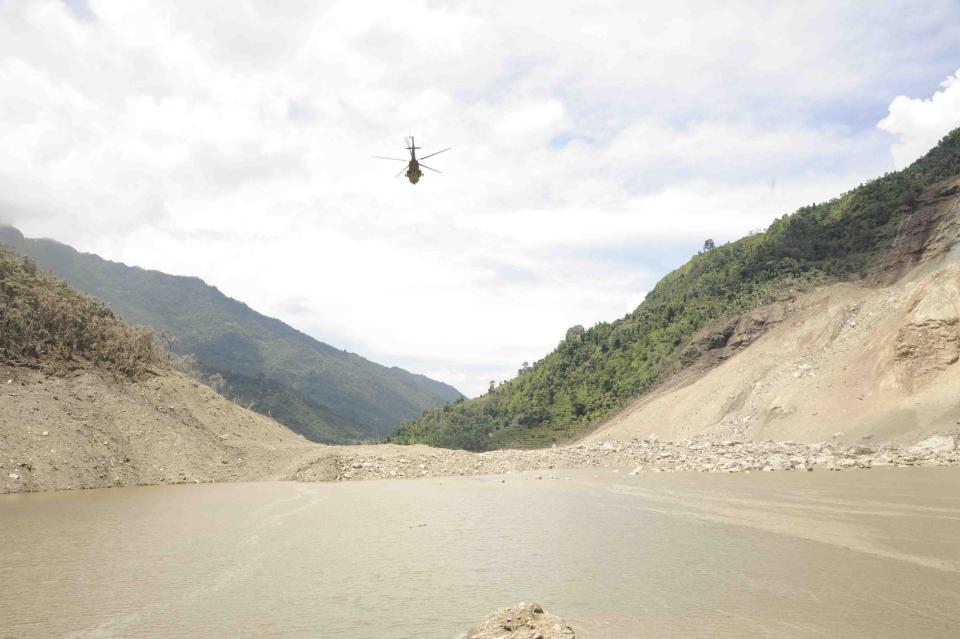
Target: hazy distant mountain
320 391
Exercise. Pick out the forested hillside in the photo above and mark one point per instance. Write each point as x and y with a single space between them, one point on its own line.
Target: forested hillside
322 392
598 370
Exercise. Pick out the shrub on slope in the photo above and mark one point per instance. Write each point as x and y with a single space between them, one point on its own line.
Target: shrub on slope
43 322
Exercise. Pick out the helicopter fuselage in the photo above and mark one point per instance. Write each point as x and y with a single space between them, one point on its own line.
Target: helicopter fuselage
413 169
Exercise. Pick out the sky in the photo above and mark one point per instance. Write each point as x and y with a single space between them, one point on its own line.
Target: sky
596 145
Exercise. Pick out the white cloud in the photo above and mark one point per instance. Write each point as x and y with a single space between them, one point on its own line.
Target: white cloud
920 123
595 145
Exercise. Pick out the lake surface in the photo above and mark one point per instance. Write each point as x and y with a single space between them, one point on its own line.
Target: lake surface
854 554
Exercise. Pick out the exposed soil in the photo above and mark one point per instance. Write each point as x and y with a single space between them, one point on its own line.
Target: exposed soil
90 430
855 359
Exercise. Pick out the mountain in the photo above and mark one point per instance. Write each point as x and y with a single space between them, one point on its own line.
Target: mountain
322 392
706 311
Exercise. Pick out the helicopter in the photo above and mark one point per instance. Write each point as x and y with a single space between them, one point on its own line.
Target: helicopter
414 165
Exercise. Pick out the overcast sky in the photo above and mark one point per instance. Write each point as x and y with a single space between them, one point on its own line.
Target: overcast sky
596 146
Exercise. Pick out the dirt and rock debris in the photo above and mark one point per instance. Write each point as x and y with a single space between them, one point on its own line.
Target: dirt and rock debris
523 621
90 431
633 458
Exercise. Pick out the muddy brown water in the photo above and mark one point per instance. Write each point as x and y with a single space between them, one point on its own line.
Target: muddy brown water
854 554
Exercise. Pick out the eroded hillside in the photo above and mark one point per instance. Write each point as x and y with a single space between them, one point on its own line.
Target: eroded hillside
87 429
847 361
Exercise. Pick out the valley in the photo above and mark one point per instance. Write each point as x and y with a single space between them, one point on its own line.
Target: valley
664 345
845 375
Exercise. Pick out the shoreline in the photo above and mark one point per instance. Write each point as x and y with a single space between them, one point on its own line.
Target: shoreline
649 455
321 463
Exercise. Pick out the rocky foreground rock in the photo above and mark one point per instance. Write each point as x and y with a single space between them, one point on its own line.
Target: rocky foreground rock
523 621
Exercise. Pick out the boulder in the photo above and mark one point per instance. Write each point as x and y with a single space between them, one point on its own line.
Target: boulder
935 444
778 462
883 459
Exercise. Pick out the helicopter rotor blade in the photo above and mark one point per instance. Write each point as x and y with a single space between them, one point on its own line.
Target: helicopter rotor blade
427 167
402 171
437 153
380 157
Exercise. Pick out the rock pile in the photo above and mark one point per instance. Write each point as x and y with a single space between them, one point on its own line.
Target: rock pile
523 621
638 456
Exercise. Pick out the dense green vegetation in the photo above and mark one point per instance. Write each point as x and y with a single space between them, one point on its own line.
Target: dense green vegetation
598 370
322 392
45 323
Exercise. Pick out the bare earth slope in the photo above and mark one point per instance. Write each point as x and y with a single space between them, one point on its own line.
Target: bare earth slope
856 359
89 430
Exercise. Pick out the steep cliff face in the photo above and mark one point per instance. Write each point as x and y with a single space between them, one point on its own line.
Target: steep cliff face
928 342
877 358
927 236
